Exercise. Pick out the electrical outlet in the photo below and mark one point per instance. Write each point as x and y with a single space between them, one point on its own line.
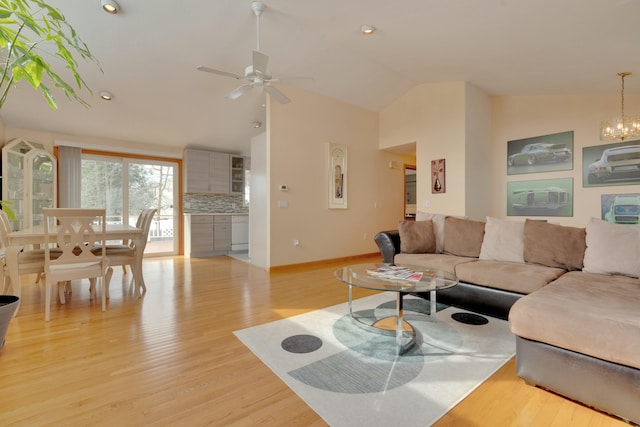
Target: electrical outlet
296 242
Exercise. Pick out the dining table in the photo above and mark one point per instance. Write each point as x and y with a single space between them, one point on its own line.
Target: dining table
34 236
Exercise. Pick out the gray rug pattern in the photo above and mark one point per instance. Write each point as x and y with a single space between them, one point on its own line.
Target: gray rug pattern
355 378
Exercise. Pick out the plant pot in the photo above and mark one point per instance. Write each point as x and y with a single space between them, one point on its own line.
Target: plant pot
8 307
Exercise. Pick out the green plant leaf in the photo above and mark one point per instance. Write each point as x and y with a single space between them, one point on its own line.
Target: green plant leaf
29 28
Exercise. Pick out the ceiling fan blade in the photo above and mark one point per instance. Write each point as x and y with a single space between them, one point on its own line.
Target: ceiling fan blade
288 78
260 61
214 71
277 95
239 91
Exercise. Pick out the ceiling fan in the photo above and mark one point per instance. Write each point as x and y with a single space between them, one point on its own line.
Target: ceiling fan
256 74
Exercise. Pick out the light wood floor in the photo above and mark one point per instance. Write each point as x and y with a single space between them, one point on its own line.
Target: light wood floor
170 358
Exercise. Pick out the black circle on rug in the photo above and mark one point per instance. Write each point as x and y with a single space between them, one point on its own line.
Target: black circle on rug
470 318
301 343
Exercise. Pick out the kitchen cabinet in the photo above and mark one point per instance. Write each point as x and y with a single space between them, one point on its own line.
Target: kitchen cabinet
29 181
207 235
207 172
238 165
221 233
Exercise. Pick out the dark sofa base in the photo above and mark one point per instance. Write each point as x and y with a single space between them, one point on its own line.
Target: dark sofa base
479 299
606 386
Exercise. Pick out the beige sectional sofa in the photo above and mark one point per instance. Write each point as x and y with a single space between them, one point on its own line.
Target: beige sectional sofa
571 294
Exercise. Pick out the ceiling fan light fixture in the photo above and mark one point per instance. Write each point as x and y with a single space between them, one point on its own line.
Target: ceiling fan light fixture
367 30
105 95
110 6
623 126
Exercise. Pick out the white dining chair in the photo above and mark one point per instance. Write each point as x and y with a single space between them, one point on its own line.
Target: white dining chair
125 254
77 233
30 261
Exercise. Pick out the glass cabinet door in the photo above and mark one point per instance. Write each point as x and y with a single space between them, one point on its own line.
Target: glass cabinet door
28 181
42 185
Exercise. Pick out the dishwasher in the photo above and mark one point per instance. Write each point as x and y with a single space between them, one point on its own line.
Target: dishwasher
239 233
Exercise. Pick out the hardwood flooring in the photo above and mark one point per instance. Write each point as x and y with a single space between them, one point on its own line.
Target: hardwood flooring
170 358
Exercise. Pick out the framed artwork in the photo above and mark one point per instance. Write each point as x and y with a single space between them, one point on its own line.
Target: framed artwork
621 208
437 176
337 176
542 197
611 164
540 154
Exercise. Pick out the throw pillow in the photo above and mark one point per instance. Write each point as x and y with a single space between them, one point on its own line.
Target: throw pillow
612 248
554 245
503 240
463 237
438 227
416 237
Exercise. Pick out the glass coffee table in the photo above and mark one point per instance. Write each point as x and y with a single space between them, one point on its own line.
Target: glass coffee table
402 279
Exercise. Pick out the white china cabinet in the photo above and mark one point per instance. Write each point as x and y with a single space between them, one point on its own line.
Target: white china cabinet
29 181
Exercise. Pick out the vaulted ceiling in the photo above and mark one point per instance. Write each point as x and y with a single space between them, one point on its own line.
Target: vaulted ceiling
149 52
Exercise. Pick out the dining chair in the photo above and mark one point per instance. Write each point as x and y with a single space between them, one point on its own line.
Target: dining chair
125 254
77 233
30 261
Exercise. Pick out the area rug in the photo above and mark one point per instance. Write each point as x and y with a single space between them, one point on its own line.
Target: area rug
353 377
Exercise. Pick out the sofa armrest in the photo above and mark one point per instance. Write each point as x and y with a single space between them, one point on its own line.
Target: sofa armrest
389 244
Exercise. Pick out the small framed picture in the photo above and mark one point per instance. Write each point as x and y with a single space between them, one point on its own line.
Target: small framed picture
437 176
337 175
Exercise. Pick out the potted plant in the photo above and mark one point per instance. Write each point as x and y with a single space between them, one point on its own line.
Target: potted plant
35 41
27 27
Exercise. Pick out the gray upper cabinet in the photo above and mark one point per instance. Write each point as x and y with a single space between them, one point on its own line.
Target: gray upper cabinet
206 172
237 174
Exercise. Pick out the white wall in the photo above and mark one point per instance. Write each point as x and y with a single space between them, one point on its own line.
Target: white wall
518 117
476 161
48 139
298 135
259 203
448 121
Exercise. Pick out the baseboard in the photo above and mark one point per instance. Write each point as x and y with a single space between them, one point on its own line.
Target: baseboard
321 263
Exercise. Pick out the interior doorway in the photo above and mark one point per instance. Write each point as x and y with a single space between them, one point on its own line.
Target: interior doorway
410 191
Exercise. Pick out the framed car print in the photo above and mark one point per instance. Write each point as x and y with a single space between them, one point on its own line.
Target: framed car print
611 164
540 154
621 208
542 197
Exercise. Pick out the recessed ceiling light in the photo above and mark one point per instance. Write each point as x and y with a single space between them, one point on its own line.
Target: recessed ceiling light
107 96
256 125
110 6
367 30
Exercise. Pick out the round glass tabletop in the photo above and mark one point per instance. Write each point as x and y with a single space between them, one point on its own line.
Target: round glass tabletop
398 278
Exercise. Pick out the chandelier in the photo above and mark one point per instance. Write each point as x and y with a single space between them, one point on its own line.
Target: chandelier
620 127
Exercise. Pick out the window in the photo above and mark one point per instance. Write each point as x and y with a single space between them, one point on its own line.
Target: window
124 186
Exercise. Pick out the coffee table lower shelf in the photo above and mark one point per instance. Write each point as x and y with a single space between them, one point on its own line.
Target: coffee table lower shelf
394 325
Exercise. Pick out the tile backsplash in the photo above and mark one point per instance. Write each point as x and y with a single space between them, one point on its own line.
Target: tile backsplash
214 203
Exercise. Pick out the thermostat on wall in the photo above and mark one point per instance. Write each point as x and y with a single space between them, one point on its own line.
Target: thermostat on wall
284 187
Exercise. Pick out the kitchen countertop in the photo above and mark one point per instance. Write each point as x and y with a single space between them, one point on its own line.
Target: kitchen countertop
216 213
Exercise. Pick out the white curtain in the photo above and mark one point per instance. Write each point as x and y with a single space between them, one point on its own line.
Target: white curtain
69 176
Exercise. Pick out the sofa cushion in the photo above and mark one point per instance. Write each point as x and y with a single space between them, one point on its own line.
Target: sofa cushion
503 240
583 312
438 261
438 227
416 237
509 276
612 248
463 237
554 245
